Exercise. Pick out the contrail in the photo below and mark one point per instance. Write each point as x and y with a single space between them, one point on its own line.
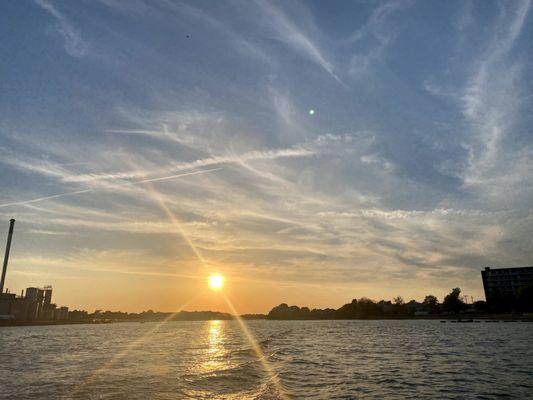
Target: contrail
164 178
199 163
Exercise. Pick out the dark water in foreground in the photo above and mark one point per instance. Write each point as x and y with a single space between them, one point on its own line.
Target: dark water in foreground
307 359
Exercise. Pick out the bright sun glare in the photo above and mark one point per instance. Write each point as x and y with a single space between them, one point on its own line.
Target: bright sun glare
216 282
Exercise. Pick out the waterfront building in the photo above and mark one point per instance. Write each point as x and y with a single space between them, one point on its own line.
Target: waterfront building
13 307
503 285
78 315
48 312
36 305
5 302
61 313
47 295
35 296
19 308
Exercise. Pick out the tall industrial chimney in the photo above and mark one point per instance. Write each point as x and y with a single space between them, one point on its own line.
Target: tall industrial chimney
6 257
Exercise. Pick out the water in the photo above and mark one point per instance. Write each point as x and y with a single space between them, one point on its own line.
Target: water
303 359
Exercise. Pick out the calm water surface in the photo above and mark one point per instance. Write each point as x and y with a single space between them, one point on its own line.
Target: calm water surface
303 359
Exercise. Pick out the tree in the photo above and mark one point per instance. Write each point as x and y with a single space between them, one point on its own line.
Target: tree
453 303
398 300
348 311
366 308
399 305
431 303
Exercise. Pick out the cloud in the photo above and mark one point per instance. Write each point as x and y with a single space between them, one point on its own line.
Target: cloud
286 30
83 260
491 102
75 46
271 154
373 37
109 187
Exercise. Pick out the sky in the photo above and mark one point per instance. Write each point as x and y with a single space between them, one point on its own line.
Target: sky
311 152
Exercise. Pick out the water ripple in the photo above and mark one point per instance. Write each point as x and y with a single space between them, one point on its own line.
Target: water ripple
311 360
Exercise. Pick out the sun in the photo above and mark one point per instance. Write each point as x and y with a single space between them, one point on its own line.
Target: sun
216 282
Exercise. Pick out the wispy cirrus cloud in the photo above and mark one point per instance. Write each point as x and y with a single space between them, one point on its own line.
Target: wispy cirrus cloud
108 187
205 162
373 37
75 46
492 100
286 30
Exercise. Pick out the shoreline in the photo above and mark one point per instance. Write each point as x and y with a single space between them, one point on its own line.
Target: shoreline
51 323
491 318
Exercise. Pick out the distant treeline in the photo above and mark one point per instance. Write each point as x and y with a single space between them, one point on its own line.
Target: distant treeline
362 308
149 316
365 308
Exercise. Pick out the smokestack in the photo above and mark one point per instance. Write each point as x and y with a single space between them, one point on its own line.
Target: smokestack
6 257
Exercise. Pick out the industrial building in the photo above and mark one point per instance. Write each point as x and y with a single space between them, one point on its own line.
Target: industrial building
35 305
503 285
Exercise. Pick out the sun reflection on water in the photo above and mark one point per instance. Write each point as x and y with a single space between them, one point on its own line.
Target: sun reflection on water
215 337
216 349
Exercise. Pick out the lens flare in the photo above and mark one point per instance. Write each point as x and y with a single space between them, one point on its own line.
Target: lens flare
216 282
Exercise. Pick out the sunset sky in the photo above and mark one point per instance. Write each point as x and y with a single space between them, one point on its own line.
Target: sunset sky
338 149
